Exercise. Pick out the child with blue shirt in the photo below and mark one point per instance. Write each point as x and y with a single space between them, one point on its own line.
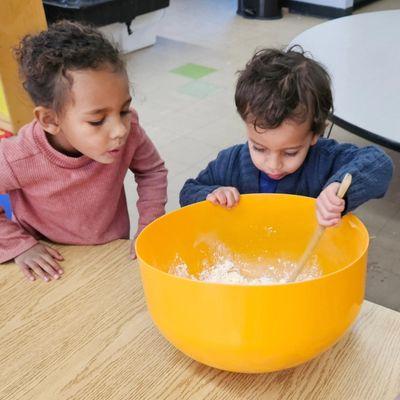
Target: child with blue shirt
284 99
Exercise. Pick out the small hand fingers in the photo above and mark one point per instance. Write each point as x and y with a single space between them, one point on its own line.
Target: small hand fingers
53 252
323 203
27 272
325 214
50 260
133 252
319 217
230 199
326 222
333 198
332 222
236 195
212 198
38 271
334 208
48 264
221 197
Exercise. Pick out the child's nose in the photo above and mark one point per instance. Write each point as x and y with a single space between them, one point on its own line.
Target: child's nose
119 131
274 163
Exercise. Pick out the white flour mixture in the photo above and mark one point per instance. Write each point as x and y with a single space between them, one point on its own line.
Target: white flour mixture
225 270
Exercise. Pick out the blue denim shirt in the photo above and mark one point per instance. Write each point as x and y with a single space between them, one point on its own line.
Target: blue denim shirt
326 162
267 184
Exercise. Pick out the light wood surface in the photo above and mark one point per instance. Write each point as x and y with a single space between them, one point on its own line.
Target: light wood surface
89 336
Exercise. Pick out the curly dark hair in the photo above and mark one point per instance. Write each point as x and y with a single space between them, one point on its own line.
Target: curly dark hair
45 59
278 85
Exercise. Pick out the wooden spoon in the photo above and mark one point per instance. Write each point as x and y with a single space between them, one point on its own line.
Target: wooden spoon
345 184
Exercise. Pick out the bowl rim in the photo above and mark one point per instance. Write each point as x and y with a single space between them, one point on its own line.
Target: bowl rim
143 263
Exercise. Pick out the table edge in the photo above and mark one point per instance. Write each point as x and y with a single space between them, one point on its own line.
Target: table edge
366 134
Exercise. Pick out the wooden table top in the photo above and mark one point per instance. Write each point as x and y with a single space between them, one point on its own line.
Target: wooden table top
89 336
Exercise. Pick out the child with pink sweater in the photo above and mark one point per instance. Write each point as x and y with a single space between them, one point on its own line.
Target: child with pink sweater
65 170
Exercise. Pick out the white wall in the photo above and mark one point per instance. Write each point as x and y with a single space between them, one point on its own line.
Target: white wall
330 3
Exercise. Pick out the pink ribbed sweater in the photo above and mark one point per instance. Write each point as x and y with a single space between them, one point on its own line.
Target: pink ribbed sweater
74 200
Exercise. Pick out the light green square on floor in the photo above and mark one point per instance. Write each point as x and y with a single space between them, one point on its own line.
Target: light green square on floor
194 71
199 89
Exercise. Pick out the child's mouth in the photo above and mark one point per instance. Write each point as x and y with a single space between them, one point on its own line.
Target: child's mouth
276 176
114 152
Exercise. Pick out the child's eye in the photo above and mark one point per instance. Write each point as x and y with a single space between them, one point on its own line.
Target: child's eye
126 112
291 154
259 149
96 123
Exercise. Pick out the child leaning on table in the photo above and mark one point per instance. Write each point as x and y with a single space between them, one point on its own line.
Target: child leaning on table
284 99
65 170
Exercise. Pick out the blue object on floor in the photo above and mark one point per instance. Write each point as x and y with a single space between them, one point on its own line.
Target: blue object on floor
6 204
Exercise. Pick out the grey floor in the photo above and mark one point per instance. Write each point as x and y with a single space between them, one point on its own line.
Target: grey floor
191 120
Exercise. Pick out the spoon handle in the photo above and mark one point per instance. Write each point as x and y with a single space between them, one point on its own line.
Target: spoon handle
344 186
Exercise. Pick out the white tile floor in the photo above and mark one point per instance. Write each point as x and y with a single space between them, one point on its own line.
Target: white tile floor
189 131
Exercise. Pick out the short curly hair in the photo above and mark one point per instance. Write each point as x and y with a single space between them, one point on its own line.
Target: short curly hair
278 85
45 59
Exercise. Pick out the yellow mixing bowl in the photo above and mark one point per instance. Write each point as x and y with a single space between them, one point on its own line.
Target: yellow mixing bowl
252 328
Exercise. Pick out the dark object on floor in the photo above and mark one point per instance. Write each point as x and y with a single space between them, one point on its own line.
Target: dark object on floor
260 9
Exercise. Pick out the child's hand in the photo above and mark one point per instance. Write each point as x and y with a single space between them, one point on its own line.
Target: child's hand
41 260
329 206
225 196
133 252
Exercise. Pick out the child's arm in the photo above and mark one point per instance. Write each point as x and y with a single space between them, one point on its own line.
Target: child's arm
15 243
151 178
371 170
13 239
195 190
213 183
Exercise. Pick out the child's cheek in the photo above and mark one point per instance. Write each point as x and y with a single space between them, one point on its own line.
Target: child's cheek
257 158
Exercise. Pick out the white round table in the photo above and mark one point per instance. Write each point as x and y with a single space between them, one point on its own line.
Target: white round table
362 54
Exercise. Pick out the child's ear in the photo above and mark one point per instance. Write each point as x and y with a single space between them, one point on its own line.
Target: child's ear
314 138
48 119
